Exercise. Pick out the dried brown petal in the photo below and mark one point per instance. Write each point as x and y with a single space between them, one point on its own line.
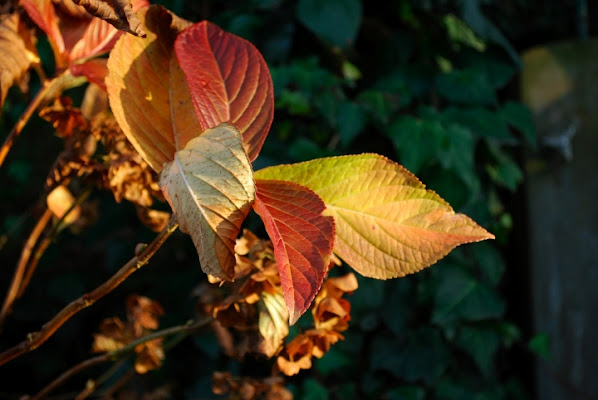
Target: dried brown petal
221 382
297 356
322 340
149 356
143 312
278 392
154 219
65 118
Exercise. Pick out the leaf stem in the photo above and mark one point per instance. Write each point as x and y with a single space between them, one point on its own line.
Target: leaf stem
186 329
35 339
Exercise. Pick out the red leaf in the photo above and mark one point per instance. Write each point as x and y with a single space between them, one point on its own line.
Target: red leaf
229 82
302 238
94 70
42 12
74 37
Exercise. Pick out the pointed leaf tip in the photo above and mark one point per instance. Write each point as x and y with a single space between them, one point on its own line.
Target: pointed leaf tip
229 81
302 237
388 224
210 188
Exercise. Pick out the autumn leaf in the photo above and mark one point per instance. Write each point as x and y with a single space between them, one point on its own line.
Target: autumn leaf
142 318
387 223
229 82
74 35
301 236
15 55
118 13
42 12
331 312
296 356
273 322
209 186
148 92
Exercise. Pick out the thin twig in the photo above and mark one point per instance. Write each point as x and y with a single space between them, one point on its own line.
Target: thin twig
17 277
50 89
23 119
188 328
119 384
48 239
35 339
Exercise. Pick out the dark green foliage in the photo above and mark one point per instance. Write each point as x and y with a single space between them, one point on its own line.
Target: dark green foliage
419 82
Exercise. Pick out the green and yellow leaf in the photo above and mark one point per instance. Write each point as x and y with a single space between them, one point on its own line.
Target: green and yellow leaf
387 223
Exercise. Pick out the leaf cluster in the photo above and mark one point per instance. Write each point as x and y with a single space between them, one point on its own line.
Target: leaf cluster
372 81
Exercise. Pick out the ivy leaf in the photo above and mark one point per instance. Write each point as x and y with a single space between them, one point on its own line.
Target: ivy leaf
148 93
302 237
317 16
16 55
229 81
273 322
461 296
209 186
388 224
520 117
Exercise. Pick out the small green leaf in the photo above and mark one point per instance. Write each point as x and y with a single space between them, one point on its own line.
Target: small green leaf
489 261
520 117
466 86
313 390
540 345
375 103
417 141
350 71
461 296
423 356
459 32
406 393
505 171
351 120
334 21
295 102
481 121
481 344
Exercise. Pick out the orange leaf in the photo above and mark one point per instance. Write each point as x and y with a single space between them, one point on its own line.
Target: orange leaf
42 12
148 92
210 188
297 355
301 236
229 82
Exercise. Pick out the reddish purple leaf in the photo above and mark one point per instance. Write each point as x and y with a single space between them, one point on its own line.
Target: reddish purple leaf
95 70
302 237
229 82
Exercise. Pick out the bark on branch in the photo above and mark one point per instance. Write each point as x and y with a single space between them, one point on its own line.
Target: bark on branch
35 339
